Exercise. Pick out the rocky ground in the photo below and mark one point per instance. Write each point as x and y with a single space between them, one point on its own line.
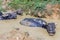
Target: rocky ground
8 30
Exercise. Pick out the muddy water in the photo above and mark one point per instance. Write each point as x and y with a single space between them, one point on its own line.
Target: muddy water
36 33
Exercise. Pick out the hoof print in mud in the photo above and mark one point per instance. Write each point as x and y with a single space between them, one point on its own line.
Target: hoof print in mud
51 29
17 28
16 35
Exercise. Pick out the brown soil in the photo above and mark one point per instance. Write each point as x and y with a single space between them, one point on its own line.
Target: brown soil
7 27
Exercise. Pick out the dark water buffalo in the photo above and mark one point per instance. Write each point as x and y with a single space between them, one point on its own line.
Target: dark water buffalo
19 11
9 15
51 28
36 22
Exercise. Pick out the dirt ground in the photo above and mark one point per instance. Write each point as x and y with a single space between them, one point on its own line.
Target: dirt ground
36 33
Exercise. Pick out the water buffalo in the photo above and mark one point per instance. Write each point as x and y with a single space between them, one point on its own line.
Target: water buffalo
51 28
36 22
9 15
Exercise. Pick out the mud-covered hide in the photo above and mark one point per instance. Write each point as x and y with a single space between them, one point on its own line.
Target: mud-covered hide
51 28
33 22
8 15
4 16
1 18
12 15
19 12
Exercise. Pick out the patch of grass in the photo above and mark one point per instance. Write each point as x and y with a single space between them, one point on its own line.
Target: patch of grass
32 6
